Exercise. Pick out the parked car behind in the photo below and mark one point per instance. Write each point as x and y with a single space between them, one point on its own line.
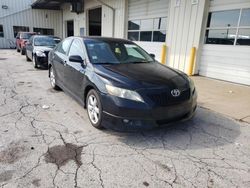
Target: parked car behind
21 39
38 48
121 85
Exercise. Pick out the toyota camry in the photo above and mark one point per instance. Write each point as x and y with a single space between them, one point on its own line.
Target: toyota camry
121 86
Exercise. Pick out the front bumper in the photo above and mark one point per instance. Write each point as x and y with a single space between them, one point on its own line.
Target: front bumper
42 62
126 115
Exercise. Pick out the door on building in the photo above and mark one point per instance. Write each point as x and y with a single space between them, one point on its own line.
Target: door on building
225 53
70 28
95 22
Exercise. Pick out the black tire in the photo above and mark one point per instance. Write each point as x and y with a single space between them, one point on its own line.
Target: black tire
51 77
97 124
34 60
27 58
23 51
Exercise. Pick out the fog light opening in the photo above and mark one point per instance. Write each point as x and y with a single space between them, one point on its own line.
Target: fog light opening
125 120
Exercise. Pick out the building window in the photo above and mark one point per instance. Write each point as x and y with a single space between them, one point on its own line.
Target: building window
1 31
147 29
44 31
230 27
17 29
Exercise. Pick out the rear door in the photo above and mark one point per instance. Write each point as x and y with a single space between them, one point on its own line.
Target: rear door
75 72
60 58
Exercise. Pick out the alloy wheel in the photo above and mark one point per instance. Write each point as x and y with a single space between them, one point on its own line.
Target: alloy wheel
93 109
52 78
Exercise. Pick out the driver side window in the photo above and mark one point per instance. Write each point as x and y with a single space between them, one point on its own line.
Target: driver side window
77 48
63 47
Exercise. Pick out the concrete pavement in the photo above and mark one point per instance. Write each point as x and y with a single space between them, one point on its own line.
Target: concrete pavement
227 98
57 146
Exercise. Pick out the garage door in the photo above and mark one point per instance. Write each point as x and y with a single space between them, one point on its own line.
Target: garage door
148 23
226 52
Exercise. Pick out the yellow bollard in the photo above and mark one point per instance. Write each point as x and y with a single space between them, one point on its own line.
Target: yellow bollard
163 53
191 61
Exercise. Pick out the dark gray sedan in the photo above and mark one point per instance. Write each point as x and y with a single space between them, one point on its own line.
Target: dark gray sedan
38 48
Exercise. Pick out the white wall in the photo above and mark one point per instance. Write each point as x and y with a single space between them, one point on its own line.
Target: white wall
185 28
14 6
80 20
25 16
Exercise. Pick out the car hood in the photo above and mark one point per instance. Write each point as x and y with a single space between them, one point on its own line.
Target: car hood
43 48
142 75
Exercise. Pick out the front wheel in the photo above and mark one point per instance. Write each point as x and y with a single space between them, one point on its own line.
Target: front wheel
27 58
52 78
34 60
94 109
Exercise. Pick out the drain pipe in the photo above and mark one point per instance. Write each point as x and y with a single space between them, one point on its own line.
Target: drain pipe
113 12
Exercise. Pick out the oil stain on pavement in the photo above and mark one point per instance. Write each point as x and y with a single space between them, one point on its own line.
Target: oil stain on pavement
62 154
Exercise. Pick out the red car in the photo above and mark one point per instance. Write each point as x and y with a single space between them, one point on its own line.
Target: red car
21 39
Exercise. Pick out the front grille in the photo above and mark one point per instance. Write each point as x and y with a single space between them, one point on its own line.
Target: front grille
165 98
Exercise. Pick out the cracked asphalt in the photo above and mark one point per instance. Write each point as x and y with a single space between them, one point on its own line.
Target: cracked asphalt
57 146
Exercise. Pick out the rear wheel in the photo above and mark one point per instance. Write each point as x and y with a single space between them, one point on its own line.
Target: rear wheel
52 78
22 51
94 109
17 49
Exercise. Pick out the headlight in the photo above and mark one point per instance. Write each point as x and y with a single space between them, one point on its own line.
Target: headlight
40 54
124 93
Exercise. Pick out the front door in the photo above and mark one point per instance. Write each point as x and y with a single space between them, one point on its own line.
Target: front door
74 73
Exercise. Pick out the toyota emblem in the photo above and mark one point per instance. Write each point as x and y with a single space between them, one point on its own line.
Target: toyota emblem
175 92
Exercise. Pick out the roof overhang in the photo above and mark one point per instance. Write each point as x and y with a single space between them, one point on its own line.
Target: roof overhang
53 4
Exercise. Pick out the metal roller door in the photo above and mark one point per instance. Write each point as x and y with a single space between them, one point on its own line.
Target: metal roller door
226 52
147 23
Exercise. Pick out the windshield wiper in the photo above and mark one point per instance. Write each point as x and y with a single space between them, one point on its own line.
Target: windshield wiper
105 63
135 62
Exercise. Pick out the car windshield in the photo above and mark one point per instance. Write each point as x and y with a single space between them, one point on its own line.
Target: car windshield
27 35
115 52
45 41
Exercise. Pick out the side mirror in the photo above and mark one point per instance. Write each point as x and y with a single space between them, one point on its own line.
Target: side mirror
76 59
152 55
27 43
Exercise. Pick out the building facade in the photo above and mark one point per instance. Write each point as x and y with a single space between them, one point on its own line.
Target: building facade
218 29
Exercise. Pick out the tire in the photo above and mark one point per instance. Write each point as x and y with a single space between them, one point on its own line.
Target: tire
17 49
27 58
34 62
52 78
94 109
23 51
